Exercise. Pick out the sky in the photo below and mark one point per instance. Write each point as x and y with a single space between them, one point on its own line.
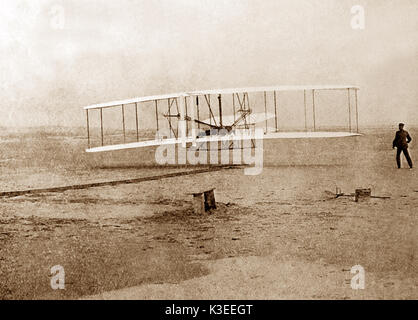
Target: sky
58 56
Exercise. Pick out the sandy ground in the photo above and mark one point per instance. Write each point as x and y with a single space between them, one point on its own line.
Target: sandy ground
278 235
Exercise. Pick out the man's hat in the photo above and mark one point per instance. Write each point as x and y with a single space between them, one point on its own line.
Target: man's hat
401 124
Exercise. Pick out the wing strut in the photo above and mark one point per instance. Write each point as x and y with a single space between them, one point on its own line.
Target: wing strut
101 124
197 107
355 91
156 112
304 104
169 118
233 105
349 109
123 123
313 109
136 121
275 110
181 123
88 128
265 108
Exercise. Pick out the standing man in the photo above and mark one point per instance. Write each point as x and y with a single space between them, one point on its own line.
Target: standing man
402 138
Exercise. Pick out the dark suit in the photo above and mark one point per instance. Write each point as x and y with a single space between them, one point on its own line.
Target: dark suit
402 138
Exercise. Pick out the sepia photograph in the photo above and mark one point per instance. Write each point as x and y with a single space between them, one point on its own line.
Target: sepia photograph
179 150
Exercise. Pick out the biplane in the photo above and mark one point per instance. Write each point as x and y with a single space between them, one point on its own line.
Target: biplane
213 115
